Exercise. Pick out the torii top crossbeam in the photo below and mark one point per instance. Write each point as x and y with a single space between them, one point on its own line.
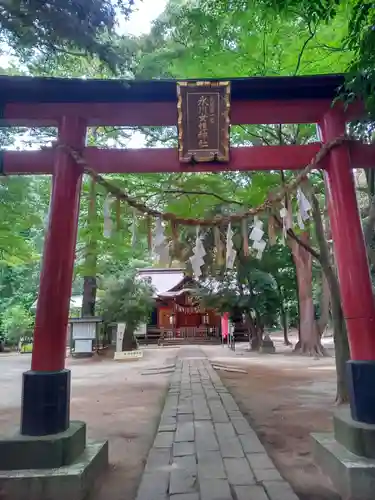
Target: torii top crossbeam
40 101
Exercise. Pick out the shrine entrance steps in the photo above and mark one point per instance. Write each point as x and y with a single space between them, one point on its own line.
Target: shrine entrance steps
189 341
204 448
176 342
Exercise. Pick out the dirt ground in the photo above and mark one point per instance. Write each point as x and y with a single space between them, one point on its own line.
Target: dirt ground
117 403
285 397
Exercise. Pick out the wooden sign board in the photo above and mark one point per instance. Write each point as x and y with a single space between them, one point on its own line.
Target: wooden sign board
203 121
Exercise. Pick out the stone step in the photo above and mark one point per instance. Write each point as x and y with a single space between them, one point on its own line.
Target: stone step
352 476
71 482
192 341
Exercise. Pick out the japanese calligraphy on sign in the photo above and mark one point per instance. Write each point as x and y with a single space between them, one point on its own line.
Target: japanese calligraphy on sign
203 121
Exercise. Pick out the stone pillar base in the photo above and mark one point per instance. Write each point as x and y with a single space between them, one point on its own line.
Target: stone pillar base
347 456
361 376
45 402
58 467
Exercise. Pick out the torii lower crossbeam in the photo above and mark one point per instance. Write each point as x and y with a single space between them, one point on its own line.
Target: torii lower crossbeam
155 160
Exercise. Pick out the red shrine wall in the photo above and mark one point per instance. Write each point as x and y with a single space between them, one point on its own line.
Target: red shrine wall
190 319
185 319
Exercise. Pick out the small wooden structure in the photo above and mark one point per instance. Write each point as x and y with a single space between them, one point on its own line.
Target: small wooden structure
83 335
178 314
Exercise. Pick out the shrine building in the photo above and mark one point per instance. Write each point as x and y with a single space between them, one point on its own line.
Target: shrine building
178 315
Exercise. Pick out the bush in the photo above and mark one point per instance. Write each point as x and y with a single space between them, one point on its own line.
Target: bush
16 322
128 300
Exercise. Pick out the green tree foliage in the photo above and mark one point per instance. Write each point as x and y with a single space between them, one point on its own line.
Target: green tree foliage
16 322
23 211
248 289
221 38
21 219
128 299
59 26
359 36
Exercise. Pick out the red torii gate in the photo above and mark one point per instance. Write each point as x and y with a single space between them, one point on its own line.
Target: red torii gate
72 105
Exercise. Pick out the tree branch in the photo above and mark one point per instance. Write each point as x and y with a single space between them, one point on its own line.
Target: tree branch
330 48
294 237
260 137
310 37
206 193
60 50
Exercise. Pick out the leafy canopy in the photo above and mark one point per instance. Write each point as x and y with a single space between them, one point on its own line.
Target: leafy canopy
359 38
16 321
223 38
61 25
128 299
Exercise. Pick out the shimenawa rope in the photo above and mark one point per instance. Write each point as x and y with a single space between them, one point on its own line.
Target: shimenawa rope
218 219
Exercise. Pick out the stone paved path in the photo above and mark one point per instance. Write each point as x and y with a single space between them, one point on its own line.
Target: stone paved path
204 448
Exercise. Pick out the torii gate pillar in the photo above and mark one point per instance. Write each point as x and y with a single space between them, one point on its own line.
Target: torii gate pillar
353 272
46 387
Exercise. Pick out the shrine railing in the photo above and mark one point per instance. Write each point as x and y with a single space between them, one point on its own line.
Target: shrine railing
189 333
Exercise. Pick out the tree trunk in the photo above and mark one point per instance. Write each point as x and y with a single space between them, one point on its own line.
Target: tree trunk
253 336
284 321
297 293
284 318
339 327
325 302
90 264
342 353
128 342
89 296
259 330
309 342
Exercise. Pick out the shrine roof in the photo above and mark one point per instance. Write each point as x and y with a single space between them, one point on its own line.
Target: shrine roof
78 90
163 280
